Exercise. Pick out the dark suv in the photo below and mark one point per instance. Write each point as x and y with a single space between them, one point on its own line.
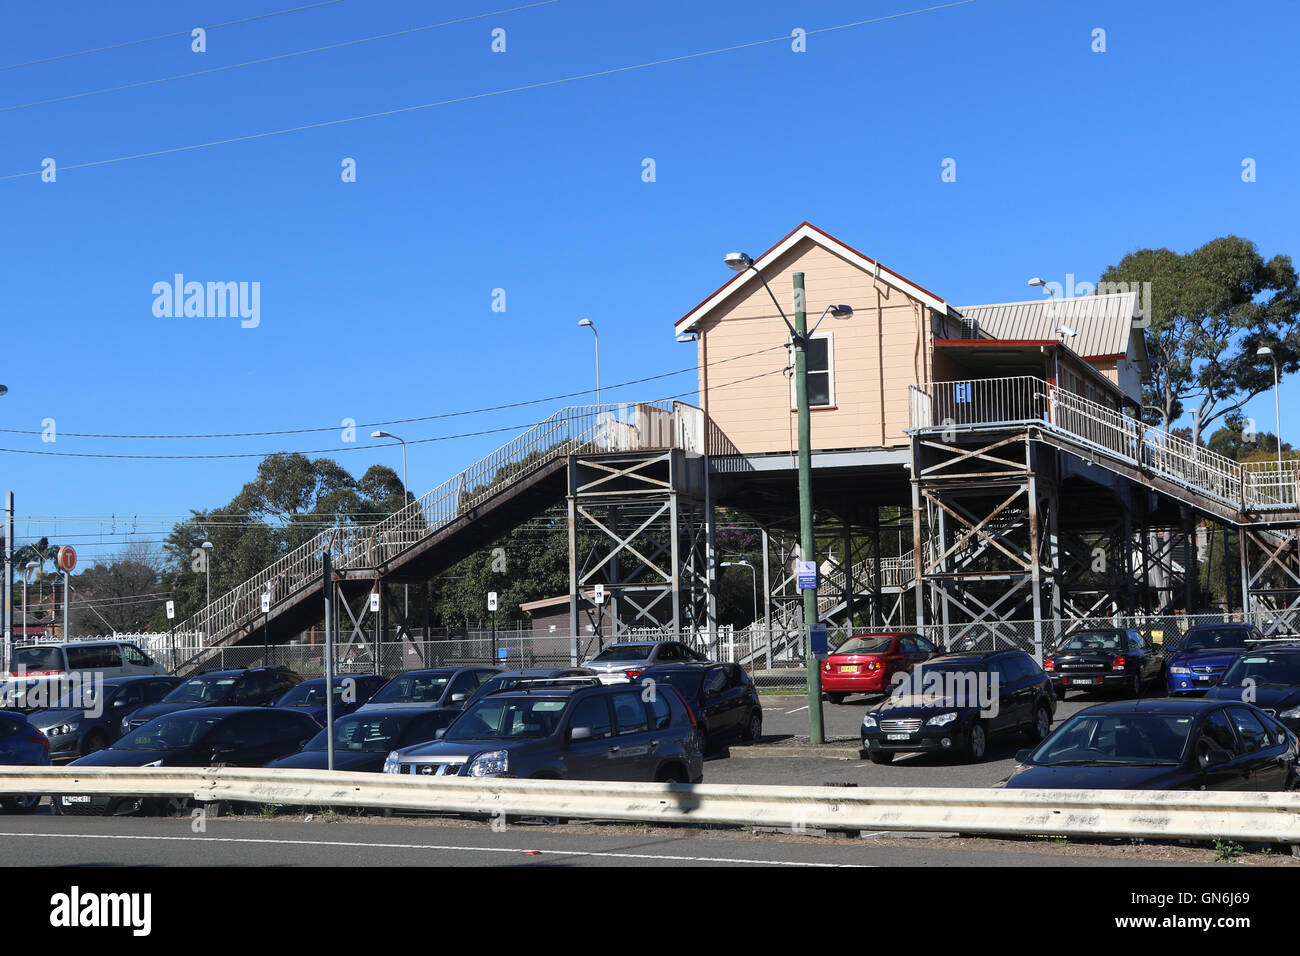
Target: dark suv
612 732
242 687
721 696
956 702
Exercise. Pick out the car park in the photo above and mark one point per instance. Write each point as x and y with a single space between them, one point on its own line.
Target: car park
1269 678
350 693
1118 659
722 698
608 732
1166 744
195 737
1204 654
623 662
21 745
91 718
869 663
42 673
363 741
955 703
242 687
431 687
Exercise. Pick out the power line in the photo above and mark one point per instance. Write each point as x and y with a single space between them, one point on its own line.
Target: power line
165 36
271 59
397 111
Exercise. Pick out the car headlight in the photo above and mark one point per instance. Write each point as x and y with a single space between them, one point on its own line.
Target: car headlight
869 722
391 763
68 728
1180 670
156 763
490 764
1292 714
942 720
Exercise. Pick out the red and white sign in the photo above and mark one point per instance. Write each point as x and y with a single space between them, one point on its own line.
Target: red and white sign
67 558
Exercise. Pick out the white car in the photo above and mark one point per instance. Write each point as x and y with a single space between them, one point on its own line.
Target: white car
42 673
619 663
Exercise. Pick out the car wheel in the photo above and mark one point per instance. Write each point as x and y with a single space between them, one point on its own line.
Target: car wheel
978 743
168 807
836 698
1135 686
23 804
1042 724
754 729
1060 692
95 740
881 756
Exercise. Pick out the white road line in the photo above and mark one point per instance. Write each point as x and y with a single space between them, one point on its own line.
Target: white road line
797 709
427 846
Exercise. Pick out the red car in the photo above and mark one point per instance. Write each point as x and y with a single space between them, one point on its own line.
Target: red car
867 663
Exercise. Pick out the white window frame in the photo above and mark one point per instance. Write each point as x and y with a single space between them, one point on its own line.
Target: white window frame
830 369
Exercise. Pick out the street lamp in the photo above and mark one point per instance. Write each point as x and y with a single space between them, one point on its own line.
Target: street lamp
406 492
1277 406
799 336
592 325
207 574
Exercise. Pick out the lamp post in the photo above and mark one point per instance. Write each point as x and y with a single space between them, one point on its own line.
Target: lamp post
799 336
1277 405
592 325
27 573
207 574
406 494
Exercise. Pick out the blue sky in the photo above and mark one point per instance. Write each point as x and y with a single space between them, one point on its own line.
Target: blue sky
376 296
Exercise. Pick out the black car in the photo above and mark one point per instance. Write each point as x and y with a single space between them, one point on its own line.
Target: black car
1269 678
1168 744
956 702
196 737
721 696
90 718
431 687
1111 658
242 687
362 741
607 732
350 693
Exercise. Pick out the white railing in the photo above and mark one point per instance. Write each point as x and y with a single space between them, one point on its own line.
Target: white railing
943 406
623 427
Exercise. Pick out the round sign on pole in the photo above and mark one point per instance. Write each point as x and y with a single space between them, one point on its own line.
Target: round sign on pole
67 559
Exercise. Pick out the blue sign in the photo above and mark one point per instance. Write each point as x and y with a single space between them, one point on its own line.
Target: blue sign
503 653
961 392
817 638
806 575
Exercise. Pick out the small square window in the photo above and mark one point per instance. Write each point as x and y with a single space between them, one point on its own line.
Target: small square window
821 373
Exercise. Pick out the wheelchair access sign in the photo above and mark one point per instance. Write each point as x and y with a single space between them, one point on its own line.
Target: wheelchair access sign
806 575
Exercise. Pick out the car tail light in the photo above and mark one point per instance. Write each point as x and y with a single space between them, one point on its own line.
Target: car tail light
1049 664
874 665
634 673
827 665
1118 664
39 738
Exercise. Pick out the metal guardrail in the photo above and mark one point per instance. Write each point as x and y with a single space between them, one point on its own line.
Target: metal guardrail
614 427
942 406
1152 814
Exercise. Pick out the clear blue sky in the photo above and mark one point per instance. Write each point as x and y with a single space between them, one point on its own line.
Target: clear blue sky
376 295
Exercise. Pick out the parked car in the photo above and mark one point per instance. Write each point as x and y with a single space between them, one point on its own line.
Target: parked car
434 687
1269 678
243 687
1112 658
1167 744
535 677
196 737
955 703
620 663
868 663
363 741
1204 654
721 697
581 733
21 745
350 693
90 719
40 674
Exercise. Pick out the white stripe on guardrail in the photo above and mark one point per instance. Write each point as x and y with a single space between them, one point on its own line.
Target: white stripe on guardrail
1200 815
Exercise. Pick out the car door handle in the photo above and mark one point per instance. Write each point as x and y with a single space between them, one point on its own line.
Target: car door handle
613 749
655 743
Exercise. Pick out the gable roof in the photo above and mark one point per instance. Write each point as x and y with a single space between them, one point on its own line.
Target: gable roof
806 230
1104 323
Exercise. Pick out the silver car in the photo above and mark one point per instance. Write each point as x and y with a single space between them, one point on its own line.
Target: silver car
623 662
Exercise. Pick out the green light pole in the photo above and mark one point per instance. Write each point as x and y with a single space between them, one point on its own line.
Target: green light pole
799 336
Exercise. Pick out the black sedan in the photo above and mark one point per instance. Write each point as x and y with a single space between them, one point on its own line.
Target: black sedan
1113 658
1167 744
721 696
91 718
198 737
1269 678
362 741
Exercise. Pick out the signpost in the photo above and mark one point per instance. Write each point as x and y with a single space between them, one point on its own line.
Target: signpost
171 631
67 560
806 575
492 606
599 598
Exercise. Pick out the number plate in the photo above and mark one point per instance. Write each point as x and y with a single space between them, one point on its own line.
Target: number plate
898 736
1078 681
849 669
67 800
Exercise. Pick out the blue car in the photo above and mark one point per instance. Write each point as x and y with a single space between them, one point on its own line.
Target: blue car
21 745
349 694
1205 653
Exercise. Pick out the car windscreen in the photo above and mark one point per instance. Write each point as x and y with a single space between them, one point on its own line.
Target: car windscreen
85 696
509 718
626 652
1131 739
364 733
29 659
413 688
310 694
171 732
1094 641
199 690
688 682
964 682
865 645
1263 668
1214 638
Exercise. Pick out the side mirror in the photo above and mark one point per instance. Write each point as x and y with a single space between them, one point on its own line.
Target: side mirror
440 733
579 733
1022 756
458 698
1217 758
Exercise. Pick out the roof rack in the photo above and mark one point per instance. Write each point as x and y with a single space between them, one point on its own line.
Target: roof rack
523 682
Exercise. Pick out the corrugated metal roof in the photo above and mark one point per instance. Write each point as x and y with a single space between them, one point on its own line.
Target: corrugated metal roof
1104 323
